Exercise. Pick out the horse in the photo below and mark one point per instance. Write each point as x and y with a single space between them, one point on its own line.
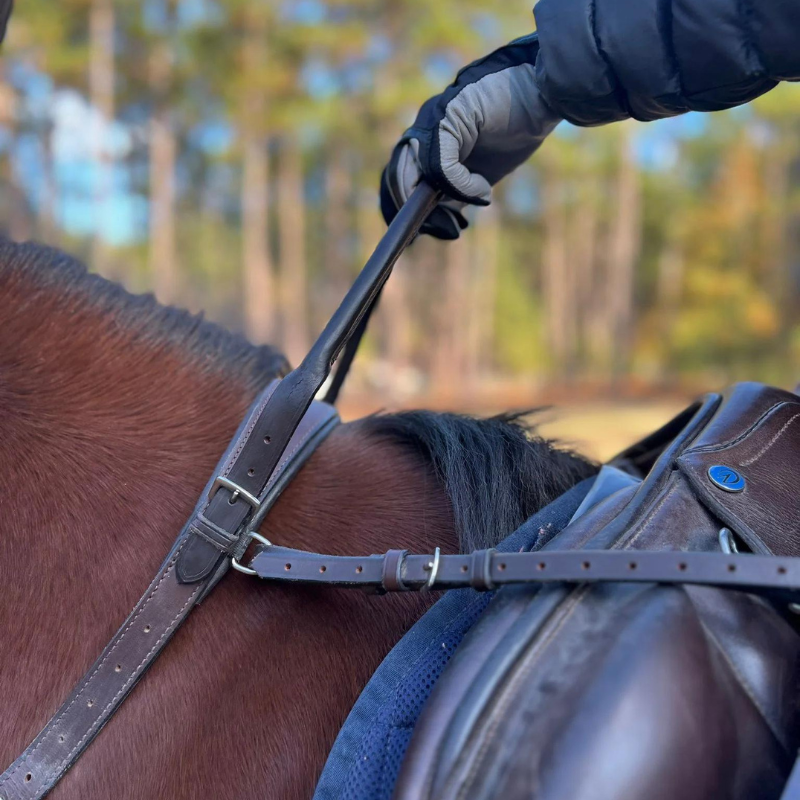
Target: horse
113 411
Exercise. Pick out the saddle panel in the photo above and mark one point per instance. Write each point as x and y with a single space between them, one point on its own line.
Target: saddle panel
624 695
620 691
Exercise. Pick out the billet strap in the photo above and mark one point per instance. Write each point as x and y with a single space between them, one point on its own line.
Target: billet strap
486 570
199 558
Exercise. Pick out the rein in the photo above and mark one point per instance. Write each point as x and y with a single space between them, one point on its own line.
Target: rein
283 428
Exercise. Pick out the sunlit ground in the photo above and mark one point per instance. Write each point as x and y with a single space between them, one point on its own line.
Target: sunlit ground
601 430
597 428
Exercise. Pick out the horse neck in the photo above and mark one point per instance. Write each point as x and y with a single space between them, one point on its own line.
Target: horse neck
105 443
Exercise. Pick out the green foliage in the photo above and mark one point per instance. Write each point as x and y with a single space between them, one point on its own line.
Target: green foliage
521 348
715 288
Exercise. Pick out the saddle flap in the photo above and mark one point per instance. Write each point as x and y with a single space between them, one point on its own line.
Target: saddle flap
743 468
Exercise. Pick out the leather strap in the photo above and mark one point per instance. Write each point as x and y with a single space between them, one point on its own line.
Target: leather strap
283 428
484 570
199 558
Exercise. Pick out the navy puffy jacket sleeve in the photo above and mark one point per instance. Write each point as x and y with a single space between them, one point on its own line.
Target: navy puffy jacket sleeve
605 60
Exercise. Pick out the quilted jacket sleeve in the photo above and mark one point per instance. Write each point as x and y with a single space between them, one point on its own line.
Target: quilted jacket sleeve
5 13
605 60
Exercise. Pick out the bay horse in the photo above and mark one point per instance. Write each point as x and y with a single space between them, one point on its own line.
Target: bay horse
108 398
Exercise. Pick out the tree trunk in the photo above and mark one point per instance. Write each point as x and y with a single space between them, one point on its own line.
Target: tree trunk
258 281
395 314
101 95
450 340
338 259
584 252
291 220
483 288
776 212
555 277
624 248
670 277
671 268
163 154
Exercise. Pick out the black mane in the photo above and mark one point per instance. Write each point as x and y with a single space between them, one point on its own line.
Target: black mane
496 472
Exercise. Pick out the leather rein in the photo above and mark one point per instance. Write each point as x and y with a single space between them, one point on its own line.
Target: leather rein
282 429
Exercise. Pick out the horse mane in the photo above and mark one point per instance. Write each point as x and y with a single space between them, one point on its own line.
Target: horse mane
42 273
496 471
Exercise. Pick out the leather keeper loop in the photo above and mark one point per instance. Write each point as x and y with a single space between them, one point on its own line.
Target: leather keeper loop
214 535
480 577
391 578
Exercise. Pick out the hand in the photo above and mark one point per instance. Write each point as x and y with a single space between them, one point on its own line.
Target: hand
484 125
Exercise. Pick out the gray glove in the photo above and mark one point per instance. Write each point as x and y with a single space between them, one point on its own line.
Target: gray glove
484 125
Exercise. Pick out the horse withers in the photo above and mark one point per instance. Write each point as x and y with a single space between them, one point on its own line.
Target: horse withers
113 412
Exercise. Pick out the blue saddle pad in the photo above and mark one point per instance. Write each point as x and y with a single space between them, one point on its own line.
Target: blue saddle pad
366 756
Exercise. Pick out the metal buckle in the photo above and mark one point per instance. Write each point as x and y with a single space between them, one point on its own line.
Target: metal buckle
433 566
237 492
246 570
726 541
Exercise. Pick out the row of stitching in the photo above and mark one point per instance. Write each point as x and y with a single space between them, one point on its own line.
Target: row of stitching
769 444
243 439
53 726
645 523
289 455
713 448
168 630
220 542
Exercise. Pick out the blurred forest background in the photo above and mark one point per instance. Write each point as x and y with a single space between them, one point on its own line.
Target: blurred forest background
225 154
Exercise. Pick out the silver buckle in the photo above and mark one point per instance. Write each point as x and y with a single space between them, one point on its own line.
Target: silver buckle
433 566
237 492
246 570
726 541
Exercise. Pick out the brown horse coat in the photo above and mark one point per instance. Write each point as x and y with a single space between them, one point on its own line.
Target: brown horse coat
107 399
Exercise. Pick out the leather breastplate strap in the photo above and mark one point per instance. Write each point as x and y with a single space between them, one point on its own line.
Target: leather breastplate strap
217 531
282 429
485 570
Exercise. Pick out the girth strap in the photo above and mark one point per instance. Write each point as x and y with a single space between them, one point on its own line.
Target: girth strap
198 559
776 577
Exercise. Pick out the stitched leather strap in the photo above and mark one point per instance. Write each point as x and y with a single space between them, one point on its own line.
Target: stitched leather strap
263 456
486 569
180 584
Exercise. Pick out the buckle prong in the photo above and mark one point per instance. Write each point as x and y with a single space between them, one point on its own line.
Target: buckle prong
221 481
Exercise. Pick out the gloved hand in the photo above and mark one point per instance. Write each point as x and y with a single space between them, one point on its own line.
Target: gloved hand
483 126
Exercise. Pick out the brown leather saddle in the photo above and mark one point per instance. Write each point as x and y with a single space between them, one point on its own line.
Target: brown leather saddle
617 691
617 638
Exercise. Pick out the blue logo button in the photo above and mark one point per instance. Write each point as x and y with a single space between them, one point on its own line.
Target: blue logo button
725 478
